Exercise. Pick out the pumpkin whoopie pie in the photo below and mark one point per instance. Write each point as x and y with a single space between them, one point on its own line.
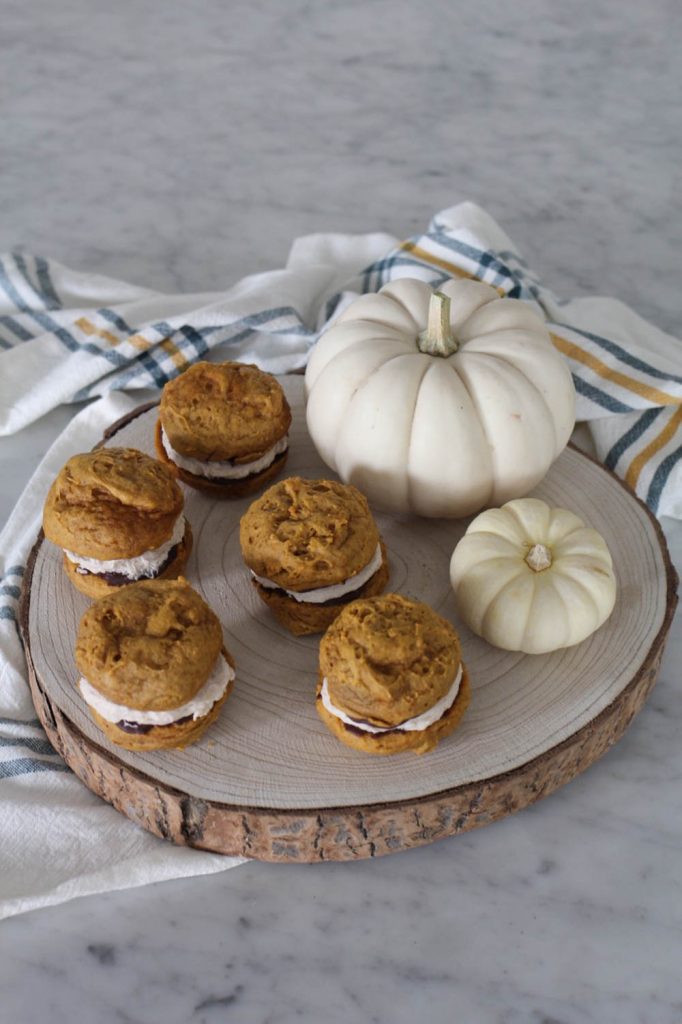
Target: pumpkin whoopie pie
391 676
223 428
117 514
312 546
155 673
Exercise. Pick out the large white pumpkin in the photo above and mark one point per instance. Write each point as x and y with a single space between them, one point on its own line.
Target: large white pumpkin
440 403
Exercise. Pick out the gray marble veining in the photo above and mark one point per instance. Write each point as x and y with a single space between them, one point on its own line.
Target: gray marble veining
183 146
185 151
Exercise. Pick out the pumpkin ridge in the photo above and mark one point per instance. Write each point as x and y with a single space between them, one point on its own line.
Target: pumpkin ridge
362 383
533 615
587 544
408 459
509 365
483 424
344 409
585 590
388 293
537 325
511 509
475 404
513 544
500 596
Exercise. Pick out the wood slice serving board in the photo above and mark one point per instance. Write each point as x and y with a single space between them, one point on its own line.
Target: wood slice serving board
268 781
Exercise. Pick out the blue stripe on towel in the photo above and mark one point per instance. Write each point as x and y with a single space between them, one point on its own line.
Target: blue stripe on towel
485 259
43 270
28 766
630 436
50 325
37 746
623 355
599 397
22 267
11 291
660 479
20 332
196 340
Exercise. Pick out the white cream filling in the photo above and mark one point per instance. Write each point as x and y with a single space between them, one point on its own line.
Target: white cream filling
136 568
224 469
200 704
322 594
417 724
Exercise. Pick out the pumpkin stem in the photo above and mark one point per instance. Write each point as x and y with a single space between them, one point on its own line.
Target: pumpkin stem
539 557
438 339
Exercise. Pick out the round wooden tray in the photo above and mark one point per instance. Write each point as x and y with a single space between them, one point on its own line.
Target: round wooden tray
269 781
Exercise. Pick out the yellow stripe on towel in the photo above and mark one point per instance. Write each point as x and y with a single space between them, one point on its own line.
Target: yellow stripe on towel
138 341
615 376
639 462
436 261
87 327
179 360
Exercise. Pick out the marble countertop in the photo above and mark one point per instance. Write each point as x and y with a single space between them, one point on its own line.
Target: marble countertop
184 147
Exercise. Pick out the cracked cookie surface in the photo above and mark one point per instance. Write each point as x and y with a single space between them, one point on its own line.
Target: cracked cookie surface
112 503
150 646
218 411
305 534
387 659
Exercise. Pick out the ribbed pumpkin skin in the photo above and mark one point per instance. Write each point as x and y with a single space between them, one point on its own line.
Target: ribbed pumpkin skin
502 599
435 436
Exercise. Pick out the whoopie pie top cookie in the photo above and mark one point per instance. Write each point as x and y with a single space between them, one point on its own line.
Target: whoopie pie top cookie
312 546
150 645
112 503
391 675
223 423
154 669
302 534
117 514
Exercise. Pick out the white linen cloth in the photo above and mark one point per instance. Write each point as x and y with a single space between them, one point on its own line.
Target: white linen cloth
57 839
67 336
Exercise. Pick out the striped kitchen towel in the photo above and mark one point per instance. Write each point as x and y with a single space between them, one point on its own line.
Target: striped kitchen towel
67 336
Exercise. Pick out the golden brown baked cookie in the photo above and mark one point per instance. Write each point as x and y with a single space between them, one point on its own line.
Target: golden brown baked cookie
386 661
216 413
147 651
112 503
305 536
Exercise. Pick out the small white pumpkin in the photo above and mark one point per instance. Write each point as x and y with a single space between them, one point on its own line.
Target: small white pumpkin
439 403
532 578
